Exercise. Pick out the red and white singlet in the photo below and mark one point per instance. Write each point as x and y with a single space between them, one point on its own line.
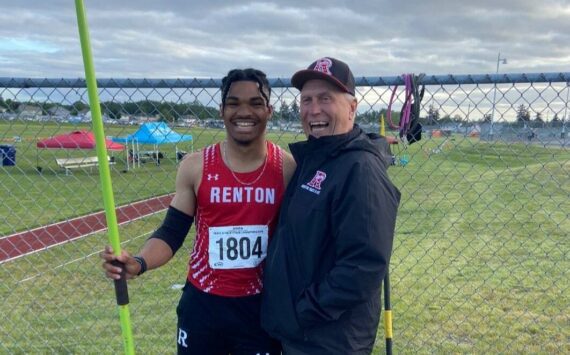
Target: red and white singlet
236 213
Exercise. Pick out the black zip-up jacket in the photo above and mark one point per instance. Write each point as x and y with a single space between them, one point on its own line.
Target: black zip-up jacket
329 254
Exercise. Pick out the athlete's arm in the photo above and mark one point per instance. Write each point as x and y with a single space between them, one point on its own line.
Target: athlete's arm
157 252
289 166
187 183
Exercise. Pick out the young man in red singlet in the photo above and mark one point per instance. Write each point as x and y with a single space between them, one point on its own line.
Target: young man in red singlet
233 190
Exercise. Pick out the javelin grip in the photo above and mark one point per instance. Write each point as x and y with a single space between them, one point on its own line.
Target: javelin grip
121 291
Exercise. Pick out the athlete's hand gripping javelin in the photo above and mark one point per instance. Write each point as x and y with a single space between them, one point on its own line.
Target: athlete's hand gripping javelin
131 265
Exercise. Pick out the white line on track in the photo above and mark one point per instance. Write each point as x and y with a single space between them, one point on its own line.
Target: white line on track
73 239
89 215
79 259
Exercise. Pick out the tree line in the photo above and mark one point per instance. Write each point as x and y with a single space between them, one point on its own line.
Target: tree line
167 111
287 111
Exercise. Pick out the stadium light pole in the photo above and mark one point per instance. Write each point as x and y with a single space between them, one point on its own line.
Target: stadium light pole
499 61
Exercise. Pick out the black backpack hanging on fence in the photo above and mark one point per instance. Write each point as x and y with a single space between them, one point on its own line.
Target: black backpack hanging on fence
414 134
412 130
409 126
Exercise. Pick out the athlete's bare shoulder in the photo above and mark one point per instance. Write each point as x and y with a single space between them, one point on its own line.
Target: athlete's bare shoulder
187 182
289 166
190 169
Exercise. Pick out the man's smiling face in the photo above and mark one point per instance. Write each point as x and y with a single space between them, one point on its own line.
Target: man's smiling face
325 110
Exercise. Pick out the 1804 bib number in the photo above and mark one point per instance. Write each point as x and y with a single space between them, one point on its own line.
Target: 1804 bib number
237 247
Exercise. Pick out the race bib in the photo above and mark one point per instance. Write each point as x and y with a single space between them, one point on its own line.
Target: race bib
237 247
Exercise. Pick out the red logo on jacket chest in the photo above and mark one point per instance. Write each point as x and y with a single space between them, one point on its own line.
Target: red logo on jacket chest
317 180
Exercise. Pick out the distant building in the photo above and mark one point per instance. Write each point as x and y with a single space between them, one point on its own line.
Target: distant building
85 116
144 119
59 112
29 111
187 121
213 123
75 119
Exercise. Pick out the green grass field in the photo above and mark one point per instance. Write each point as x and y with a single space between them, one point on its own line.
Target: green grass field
37 199
480 262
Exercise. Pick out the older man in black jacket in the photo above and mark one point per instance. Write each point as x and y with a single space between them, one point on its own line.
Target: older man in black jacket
331 249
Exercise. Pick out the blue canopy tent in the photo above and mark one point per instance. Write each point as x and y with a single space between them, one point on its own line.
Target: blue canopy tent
155 134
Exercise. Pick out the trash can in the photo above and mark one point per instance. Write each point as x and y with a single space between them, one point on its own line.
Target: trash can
7 155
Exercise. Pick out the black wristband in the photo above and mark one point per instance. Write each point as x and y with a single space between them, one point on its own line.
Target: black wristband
142 262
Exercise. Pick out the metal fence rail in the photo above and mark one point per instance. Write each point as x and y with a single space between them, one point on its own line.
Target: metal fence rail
481 254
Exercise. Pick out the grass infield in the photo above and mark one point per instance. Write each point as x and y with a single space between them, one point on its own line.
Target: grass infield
480 262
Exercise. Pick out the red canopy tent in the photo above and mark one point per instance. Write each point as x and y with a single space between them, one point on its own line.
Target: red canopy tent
76 140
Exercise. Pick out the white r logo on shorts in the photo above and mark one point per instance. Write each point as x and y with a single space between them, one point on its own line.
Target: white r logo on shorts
182 336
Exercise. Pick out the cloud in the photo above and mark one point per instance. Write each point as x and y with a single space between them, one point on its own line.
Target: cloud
207 38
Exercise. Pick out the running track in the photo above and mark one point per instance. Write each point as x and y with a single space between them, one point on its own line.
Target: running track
18 244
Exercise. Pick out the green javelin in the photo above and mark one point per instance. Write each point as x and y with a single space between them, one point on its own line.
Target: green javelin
105 175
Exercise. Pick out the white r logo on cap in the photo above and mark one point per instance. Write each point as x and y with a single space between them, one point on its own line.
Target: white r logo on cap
323 65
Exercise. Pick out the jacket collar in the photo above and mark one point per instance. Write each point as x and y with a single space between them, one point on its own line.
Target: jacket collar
327 145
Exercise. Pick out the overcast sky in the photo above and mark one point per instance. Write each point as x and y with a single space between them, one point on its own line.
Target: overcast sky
206 38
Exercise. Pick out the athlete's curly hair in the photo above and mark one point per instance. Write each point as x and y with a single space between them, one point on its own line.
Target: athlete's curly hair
249 74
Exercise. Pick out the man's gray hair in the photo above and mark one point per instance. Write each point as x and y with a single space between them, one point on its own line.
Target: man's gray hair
350 98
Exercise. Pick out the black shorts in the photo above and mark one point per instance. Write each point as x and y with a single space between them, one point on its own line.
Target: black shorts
211 324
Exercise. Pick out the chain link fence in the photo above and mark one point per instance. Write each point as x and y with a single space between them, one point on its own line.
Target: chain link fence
481 253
